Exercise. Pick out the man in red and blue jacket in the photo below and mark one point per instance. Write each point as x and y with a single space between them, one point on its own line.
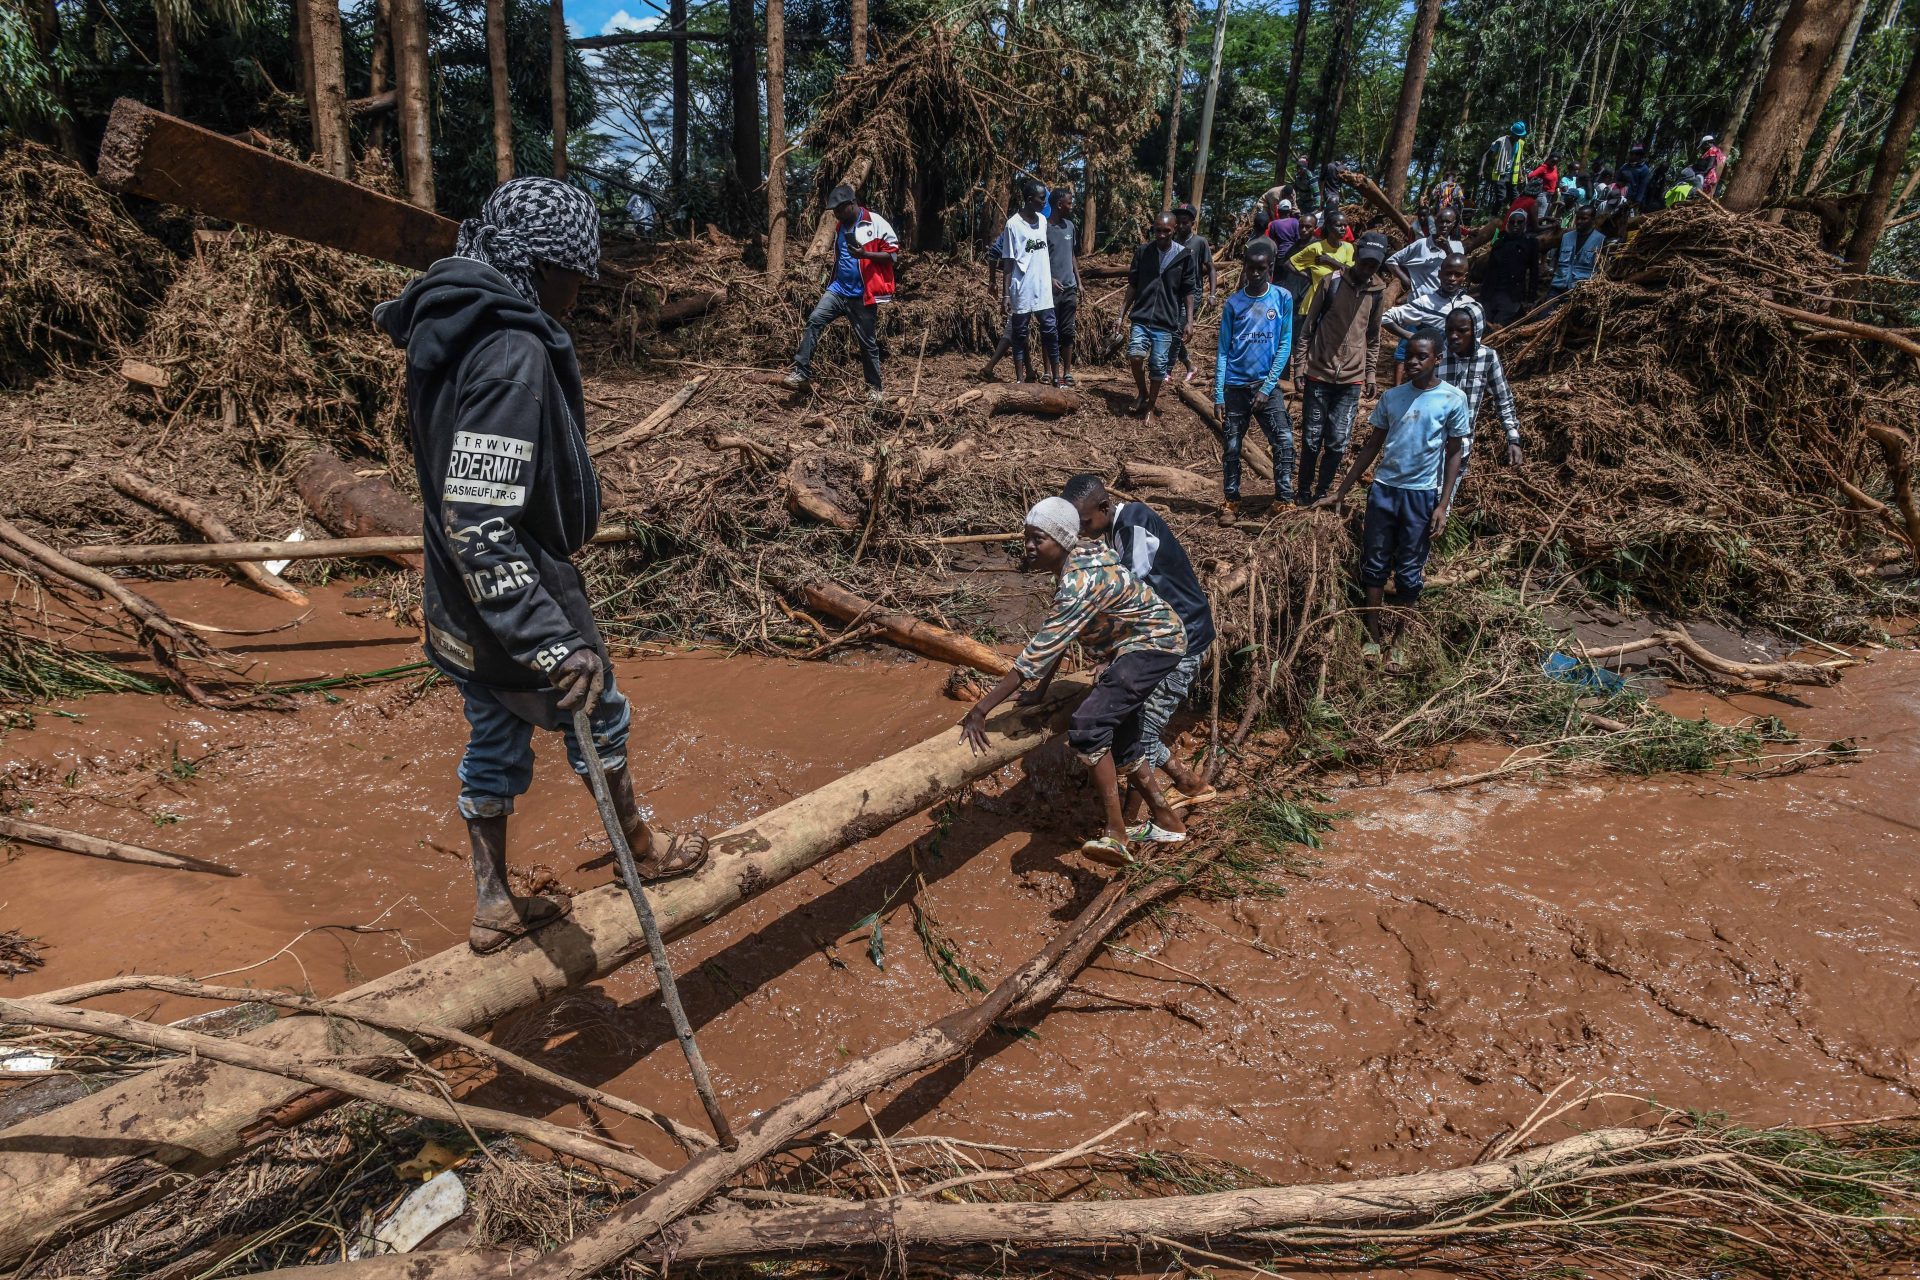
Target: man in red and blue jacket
864 253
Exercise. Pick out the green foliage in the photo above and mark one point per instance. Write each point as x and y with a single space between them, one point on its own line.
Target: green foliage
27 96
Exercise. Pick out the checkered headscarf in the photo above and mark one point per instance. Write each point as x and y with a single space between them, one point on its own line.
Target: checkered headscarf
531 220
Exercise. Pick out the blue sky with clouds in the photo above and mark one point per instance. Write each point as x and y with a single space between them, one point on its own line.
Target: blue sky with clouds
597 17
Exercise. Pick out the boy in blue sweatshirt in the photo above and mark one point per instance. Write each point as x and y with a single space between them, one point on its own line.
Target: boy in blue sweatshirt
1256 338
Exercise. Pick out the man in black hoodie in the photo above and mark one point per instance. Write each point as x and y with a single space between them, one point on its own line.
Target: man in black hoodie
1157 308
495 405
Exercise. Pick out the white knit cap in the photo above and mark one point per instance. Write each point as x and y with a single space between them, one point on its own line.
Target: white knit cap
1058 519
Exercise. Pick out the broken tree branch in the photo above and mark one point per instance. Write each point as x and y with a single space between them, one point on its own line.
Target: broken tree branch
101 847
1897 448
1378 199
653 421
1675 638
207 525
904 629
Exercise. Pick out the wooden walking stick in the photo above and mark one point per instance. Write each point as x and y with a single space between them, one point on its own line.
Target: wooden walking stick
656 947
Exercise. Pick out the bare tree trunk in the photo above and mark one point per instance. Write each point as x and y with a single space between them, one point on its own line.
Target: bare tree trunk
1580 77
502 101
379 68
1283 150
1606 88
776 137
327 99
1333 84
744 76
1828 148
1808 36
1173 109
557 81
167 47
413 101
857 33
681 92
45 17
1836 70
1406 113
1893 155
1206 106
1750 81
1089 211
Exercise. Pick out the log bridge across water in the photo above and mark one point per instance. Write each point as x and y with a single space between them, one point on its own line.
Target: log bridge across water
83 1165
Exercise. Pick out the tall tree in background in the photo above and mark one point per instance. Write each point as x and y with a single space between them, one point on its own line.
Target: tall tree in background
380 70
1808 36
776 137
166 44
1830 79
1173 106
413 102
1206 107
1333 82
1406 112
1756 70
1886 168
1283 150
557 81
680 93
744 79
857 29
44 18
327 92
497 80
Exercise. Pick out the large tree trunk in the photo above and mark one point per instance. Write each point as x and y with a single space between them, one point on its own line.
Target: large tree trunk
1206 106
1406 113
167 46
1750 80
681 92
414 100
1886 169
502 100
380 69
1333 85
776 137
857 33
1283 149
1808 37
45 17
1089 209
327 96
557 81
744 77
1830 77
196 1116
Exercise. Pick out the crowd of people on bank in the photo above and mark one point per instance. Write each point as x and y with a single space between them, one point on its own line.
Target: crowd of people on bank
1315 310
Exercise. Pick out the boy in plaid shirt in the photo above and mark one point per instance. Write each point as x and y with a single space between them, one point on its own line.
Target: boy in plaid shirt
1475 368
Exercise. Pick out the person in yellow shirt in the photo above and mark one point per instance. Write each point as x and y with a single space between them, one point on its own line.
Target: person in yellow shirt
1321 257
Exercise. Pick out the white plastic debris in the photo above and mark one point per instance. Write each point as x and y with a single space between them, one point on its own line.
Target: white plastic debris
28 1062
279 566
428 1208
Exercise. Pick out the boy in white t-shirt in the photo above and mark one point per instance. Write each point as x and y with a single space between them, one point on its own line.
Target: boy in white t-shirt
1027 296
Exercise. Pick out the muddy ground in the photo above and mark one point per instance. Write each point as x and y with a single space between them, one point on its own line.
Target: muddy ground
1712 942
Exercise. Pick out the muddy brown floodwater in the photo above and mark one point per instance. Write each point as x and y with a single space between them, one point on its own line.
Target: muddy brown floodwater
1742 946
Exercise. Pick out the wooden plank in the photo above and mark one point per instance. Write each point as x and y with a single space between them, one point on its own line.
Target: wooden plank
152 154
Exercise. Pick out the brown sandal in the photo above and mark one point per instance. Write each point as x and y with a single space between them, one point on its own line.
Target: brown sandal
686 853
507 935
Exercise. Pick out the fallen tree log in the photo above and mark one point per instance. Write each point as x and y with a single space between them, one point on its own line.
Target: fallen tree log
1378 199
1254 453
653 421
678 311
99 847
356 506
904 629
1127 1225
1175 480
1834 324
186 553
65 1175
152 154
1020 397
1897 448
207 525
813 490
1679 641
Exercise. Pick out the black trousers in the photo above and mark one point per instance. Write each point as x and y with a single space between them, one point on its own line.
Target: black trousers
1109 718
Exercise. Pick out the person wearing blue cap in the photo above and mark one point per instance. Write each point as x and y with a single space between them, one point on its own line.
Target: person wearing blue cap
1505 163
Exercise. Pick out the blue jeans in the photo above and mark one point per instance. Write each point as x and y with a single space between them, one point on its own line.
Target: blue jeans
1327 410
1161 704
498 765
861 315
1156 345
1274 424
1397 537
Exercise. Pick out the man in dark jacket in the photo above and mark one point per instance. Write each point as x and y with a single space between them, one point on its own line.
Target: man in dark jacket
1157 308
495 406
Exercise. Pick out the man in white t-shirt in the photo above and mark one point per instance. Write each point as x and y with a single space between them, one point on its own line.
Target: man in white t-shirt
1028 293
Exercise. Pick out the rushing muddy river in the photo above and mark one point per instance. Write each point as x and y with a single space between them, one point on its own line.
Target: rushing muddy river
1707 941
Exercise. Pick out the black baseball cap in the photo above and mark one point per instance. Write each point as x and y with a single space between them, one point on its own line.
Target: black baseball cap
1187 209
1371 247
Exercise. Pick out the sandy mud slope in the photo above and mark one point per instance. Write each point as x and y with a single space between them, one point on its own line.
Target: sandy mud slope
1735 945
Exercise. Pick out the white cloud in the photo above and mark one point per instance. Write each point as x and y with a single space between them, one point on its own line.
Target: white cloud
624 21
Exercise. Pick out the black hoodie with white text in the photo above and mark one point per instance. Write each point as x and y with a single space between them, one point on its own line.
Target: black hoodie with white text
497 422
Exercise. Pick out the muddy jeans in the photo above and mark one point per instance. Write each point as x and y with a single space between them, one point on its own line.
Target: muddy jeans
1274 424
1161 704
498 765
861 315
1327 410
